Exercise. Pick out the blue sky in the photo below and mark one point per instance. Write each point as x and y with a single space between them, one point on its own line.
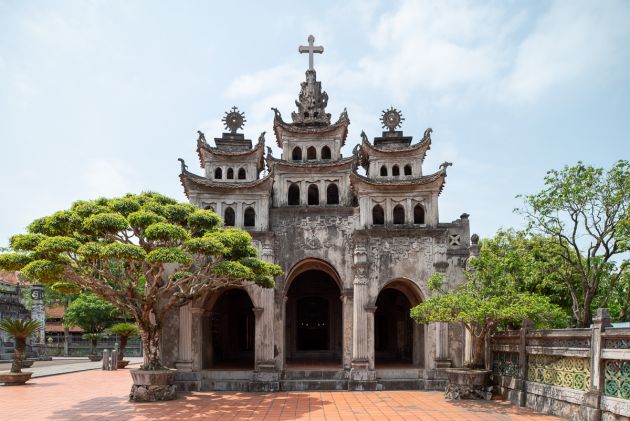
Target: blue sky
101 97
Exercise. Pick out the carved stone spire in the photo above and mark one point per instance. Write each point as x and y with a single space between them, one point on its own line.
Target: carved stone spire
312 101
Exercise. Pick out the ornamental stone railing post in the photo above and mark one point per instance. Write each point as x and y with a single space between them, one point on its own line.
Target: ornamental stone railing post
592 399
521 390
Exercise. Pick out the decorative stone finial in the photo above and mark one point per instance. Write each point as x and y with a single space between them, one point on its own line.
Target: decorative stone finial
183 164
474 239
311 103
392 119
233 120
444 165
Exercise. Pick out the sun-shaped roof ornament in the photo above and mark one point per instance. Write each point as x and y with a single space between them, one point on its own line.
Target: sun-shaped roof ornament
234 120
392 119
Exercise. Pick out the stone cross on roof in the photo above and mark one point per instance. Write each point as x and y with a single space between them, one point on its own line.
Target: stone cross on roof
310 49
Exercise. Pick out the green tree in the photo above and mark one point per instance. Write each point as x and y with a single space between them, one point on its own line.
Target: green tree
585 211
125 331
146 254
488 300
91 313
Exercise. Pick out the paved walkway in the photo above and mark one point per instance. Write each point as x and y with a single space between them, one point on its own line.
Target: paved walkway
102 395
65 365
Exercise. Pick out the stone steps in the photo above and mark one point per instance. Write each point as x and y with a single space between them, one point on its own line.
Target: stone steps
322 384
226 385
314 375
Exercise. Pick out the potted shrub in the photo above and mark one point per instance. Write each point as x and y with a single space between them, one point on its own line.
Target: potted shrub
20 330
124 331
493 297
93 337
145 254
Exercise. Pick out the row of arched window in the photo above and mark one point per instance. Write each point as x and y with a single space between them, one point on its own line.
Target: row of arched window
229 174
311 153
229 216
398 215
396 170
332 194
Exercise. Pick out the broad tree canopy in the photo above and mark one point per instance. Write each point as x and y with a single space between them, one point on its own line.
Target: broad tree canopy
146 254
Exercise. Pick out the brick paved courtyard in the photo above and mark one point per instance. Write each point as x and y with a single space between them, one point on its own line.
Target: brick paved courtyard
99 395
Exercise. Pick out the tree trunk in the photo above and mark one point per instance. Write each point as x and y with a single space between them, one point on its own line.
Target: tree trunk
123 345
150 334
479 351
20 348
93 343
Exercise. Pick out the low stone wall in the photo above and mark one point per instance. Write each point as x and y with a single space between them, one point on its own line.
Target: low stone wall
577 374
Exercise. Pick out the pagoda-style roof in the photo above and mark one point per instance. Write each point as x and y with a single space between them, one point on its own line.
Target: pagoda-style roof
434 181
310 164
208 153
280 127
417 150
194 182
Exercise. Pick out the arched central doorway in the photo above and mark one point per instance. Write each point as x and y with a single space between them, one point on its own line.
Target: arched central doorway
232 324
313 320
398 340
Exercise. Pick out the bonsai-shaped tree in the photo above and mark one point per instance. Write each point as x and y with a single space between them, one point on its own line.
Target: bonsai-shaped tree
92 314
125 331
20 330
492 297
146 254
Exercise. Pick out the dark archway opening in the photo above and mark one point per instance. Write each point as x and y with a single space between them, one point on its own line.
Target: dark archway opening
313 319
393 328
378 216
218 174
230 174
311 153
297 154
326 152
294 195
407 169
399 215
229 217
232 324
242 175
332 194
418 214
249 217
395 171
313 195
383 171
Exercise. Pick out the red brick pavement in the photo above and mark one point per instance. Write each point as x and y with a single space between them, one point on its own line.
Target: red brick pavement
102 395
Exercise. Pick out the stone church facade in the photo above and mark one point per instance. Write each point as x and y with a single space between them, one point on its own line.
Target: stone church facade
357 237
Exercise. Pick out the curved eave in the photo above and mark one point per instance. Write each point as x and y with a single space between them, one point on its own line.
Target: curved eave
419 149
434 181
279 126
341 163
206 153
194 182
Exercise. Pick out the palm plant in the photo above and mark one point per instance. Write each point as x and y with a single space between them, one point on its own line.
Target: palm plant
125 331
93 337
20 330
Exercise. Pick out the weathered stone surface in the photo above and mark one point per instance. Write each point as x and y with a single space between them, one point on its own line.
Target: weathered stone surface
148 393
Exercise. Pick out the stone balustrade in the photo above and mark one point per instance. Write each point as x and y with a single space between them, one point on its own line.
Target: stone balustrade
580 374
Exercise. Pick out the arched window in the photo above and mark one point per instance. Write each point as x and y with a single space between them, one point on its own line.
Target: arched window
313 194
418 214
242 175
326 152
378 216
297 154
407 169
395 171
294 194
229 218
209 207
249 217
399 215
332 194
218 174
230 174
311 153
383 171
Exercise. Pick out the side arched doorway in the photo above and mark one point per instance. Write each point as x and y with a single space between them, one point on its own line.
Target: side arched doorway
398 340
313 319
230 340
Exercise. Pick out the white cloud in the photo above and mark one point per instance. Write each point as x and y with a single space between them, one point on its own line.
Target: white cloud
107 178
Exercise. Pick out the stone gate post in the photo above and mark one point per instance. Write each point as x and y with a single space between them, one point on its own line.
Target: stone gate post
592 400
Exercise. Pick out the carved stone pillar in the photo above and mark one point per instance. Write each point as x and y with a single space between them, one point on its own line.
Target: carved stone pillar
370 309
197 338
441 345
361 377
347 311
184 352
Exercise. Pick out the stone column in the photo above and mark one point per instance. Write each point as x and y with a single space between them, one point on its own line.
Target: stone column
347 310
38 313
370 310
265 335
184 352
441 345
361 377
196 338
592 399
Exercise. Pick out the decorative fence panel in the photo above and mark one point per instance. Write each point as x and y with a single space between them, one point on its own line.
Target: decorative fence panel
581 374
